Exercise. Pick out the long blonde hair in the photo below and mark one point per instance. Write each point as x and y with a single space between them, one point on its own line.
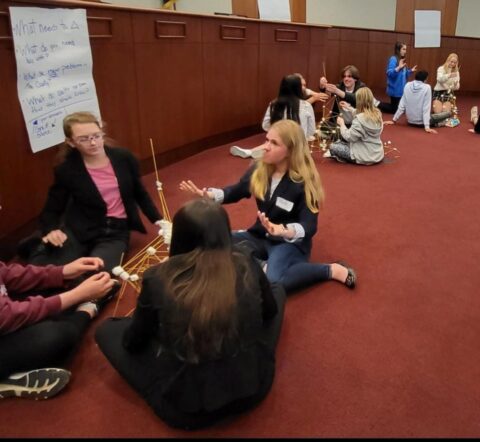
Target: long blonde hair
445 65
364 99
301 167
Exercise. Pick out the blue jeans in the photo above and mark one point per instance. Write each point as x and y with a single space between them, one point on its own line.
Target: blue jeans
286 263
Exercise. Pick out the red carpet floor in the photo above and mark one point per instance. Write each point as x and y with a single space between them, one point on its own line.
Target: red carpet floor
398 357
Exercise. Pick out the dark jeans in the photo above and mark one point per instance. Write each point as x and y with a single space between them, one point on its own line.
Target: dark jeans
286 263
47 343
390 108
109 245
143 370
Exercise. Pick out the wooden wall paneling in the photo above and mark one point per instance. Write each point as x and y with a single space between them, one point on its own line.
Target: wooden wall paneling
246 8
404 15
284 49
333 54
113 51
354 50
449 17
230 61
318 57
298 11
380 49
468 50
169 74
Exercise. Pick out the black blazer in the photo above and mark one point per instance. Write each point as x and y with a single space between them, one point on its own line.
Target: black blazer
287 205
75 196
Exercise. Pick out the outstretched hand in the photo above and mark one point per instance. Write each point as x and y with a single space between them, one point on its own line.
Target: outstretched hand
80 266
189 186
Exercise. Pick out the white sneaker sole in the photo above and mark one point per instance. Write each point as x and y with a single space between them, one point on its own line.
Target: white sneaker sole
35 384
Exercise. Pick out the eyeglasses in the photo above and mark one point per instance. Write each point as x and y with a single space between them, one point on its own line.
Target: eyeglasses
89 138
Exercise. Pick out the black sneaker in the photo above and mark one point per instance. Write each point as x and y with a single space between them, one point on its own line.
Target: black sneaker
35 384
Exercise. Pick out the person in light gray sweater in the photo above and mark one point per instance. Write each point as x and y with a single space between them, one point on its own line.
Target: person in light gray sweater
361 143
416 103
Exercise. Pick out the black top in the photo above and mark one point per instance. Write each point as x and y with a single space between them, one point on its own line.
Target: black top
75 196
243 366
287 205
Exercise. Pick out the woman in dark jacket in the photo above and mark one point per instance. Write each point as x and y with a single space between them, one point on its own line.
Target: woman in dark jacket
92 204
201 343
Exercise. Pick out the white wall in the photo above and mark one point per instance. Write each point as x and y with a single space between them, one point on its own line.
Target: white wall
468 19
371 14
204 6
154 4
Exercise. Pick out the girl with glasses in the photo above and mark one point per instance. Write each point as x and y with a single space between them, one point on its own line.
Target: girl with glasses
93 203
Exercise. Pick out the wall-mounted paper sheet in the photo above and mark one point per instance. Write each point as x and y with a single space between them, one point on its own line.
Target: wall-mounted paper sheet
54 70
427 29
274 10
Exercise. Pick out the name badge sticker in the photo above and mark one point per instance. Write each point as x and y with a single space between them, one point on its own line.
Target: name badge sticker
284 204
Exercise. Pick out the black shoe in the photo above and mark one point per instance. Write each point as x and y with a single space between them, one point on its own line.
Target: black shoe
35 384
351 280
102 302
27 246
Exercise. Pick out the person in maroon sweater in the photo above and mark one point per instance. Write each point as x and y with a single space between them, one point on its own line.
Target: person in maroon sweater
38 331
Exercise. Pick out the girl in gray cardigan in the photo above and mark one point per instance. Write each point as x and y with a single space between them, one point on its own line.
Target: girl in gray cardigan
361 143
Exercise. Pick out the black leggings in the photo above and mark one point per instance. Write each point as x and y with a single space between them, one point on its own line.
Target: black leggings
44 344
109 246
143 369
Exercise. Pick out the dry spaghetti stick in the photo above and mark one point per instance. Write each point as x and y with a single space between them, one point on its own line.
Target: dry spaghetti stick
154 161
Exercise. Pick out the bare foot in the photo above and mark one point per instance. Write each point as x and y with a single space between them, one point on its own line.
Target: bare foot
339 272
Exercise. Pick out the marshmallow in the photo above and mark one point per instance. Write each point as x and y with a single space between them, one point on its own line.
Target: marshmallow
151 251
117 270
